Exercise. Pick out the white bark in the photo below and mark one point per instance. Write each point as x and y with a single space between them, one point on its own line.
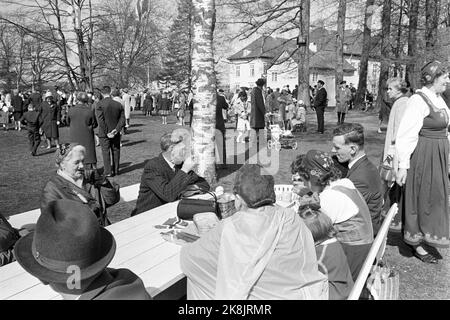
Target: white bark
204 87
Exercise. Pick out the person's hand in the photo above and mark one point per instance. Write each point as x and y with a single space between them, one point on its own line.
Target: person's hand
58 123
188 164
400 176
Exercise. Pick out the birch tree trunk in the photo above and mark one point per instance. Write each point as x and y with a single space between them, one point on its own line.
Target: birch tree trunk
340 45
412 43
204 87
385 61
303 53
362 84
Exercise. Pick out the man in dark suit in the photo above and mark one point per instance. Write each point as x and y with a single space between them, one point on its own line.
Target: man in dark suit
348 145
258 109
320 103
111 119
221 104
166 176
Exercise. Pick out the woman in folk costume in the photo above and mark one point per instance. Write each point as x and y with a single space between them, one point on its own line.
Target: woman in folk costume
164 106
341 201
261 252
397 90
422 146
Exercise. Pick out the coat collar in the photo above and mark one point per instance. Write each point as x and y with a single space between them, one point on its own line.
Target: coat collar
357 164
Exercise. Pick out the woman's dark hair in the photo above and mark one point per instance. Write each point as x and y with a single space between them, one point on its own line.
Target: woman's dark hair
242 94
318 223
297 166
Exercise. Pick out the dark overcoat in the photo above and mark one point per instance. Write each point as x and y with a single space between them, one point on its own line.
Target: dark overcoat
81 119
51 114
258 110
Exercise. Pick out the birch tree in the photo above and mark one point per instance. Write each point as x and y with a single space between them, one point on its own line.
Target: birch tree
204 87
303 53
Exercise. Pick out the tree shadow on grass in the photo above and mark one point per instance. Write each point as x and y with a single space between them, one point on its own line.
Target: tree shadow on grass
136 125
132 131
136 166
132 143
38 154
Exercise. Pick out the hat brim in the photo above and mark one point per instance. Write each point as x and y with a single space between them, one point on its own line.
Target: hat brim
25 258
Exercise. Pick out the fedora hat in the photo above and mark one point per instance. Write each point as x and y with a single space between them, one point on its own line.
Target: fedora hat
67 234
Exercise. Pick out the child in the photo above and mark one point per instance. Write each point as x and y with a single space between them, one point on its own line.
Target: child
298 121
33 121
330 255
164 107
243 109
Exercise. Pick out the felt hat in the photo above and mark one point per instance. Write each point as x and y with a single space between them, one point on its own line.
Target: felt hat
67 237
254 187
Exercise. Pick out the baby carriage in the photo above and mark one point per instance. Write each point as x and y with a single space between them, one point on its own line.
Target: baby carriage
278 138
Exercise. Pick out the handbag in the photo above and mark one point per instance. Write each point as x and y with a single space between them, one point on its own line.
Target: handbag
386 169
188 207
383 282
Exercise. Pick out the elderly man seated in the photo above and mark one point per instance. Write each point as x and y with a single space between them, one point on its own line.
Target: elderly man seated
261 252
168 175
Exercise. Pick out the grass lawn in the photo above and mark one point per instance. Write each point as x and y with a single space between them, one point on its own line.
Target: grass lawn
22 178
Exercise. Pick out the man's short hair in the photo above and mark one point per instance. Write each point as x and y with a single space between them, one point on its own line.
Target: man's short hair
343 82
321 82
106 90
352 132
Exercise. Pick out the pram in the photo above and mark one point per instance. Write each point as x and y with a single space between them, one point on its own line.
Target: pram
278 138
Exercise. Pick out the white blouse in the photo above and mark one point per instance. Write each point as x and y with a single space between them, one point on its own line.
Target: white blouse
408 131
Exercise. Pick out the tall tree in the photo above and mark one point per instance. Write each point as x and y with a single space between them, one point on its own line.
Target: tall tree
303 52
398 48
204 85
367 46
385 54
413 13
431 25
340 44
178 57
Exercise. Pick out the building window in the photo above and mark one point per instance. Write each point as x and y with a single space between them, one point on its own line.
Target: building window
265 67
274 76
238 71
315 77
252 70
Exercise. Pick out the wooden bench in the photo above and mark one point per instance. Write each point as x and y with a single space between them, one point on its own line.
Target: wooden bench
127 194
140 248
375 254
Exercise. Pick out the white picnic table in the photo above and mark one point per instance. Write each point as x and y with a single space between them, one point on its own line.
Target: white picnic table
140 248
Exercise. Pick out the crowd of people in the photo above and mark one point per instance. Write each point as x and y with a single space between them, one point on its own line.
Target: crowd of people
320 246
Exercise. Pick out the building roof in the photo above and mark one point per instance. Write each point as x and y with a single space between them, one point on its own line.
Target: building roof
263 47
326 60
353 41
